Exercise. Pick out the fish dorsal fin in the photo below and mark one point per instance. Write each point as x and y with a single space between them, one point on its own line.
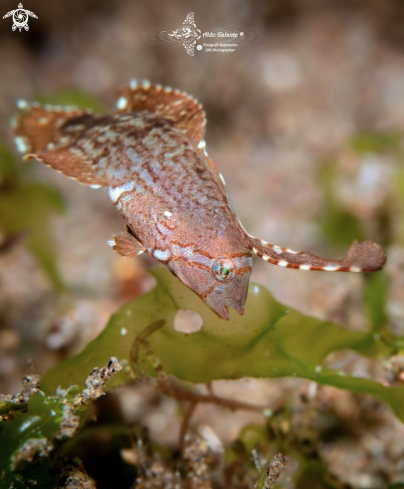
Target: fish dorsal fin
51 135
183 110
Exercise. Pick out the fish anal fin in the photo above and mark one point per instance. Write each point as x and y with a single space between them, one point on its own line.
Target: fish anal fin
183 110
127 245
73 164
360 257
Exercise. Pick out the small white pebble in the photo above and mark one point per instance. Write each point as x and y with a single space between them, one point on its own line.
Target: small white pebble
123 331
211 438
312 390
187 321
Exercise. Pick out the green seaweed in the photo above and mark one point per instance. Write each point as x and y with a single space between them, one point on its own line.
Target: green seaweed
339 226
26 207
268 341
377 142
40 418
374 298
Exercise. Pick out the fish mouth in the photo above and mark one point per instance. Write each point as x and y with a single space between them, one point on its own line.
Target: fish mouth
238 307
223 312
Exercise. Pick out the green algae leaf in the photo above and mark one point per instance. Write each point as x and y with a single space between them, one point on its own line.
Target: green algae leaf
339 226
375 298
377 142
268 341
26 207
39 422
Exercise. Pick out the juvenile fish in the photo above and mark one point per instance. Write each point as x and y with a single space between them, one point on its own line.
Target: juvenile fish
151 155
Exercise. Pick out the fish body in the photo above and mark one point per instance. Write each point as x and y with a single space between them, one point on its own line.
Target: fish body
176 205
151 155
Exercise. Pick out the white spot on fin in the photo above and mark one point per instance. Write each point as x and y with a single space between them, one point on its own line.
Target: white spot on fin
111 242
121 103
95 186
23 104
22 144
282 263
222 179
331 269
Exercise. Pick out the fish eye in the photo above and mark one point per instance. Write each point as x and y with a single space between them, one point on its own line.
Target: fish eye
223 269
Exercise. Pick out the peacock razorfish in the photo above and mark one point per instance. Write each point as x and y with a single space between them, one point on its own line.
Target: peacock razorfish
151 155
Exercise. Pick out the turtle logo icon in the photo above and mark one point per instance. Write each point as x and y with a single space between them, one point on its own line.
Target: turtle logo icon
20 17
188 34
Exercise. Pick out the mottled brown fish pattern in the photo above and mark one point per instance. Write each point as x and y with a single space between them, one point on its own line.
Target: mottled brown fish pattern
151 155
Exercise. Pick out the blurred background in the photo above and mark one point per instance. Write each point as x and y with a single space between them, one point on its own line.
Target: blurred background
306 125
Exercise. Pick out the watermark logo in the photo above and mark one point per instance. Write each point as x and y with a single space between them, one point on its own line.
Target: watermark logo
188 34
225 39
20 17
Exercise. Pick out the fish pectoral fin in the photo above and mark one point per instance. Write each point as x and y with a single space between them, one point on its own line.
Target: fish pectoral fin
126 245
181 109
